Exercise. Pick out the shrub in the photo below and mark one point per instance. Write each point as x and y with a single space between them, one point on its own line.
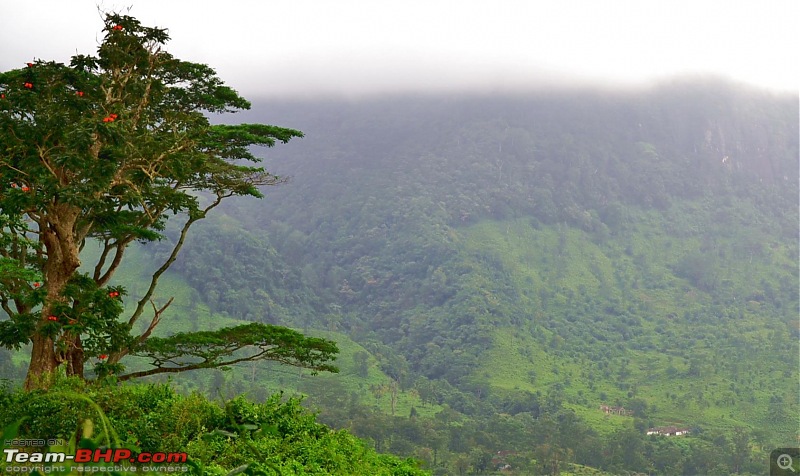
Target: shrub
277 436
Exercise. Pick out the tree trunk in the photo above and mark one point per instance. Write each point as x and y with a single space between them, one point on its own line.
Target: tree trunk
75 358
63 258
41 370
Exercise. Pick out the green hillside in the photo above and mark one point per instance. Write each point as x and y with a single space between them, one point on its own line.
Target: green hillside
551 253
695 382
494 269
359 377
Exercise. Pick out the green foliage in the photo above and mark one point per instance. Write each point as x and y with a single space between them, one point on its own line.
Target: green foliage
277 436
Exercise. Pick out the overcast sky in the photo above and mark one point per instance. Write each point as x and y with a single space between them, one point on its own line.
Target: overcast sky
302 47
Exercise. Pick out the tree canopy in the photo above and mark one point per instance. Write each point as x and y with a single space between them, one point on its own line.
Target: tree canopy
106 149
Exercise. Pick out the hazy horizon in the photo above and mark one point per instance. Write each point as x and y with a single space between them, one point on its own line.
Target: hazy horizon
308 49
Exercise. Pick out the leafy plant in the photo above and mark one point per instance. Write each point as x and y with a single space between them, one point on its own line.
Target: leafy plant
277 436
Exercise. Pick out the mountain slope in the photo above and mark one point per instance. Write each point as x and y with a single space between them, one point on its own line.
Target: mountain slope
539 256
689 189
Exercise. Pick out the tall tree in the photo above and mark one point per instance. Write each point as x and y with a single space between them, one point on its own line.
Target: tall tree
106 150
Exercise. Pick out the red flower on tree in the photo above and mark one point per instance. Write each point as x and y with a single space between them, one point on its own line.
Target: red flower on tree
52 318
102 356
79 93
117 27
28 85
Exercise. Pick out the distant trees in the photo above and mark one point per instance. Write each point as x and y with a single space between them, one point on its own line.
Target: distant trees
700 269
551 459
361 360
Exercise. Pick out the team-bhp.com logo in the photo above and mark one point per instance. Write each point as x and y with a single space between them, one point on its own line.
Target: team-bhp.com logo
116 456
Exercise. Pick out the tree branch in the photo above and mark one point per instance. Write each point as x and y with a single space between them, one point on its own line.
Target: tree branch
120 247
101 261
171 259
139 340
274 343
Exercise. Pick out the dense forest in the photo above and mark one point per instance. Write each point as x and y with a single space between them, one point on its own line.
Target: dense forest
496 269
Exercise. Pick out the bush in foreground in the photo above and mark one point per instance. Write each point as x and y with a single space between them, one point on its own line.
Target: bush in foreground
277 436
